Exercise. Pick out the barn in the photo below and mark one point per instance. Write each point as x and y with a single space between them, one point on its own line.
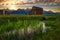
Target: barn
36 10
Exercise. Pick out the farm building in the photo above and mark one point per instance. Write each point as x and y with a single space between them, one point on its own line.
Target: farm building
36 10
4 11
1 11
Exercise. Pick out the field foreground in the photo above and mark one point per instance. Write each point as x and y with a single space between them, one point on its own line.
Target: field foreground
29 27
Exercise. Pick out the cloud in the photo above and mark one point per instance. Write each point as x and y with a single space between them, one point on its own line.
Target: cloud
1 0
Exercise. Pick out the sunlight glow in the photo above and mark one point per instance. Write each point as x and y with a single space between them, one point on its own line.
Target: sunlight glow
12 7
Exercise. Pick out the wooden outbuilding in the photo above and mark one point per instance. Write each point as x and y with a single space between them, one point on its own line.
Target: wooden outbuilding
36 10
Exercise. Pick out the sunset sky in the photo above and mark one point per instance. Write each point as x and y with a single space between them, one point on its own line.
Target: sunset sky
52 5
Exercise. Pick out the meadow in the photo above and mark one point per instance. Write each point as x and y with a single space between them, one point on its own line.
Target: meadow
29 27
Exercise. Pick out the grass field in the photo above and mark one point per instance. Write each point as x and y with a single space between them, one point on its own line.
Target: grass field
16 27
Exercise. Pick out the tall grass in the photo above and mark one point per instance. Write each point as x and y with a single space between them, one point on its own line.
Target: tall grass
14 27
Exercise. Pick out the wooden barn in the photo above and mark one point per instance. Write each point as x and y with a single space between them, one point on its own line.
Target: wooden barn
1 11
36 11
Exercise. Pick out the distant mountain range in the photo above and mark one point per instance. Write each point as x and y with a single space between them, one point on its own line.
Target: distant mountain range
28 11
58 12
48 12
